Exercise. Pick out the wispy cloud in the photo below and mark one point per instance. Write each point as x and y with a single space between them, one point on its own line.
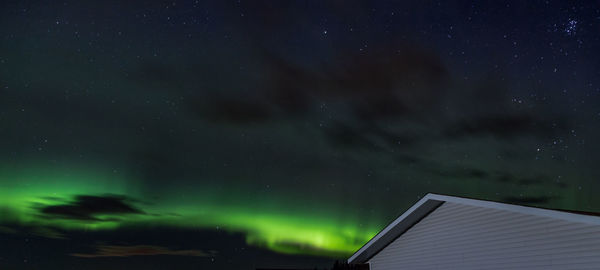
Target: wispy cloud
140 250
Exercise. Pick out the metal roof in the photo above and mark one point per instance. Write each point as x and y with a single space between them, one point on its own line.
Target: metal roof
431 202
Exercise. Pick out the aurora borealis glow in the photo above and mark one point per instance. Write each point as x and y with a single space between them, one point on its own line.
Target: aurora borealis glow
304 232
280 134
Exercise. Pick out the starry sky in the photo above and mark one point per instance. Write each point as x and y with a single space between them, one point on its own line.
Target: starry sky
245 134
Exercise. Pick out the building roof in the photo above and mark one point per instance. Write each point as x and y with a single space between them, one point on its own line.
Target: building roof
431 202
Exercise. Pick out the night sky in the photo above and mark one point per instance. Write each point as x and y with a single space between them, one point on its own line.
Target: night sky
244 134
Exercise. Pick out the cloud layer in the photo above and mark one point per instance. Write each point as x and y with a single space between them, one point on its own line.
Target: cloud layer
140 250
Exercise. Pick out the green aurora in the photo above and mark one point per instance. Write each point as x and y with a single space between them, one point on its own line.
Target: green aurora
24 191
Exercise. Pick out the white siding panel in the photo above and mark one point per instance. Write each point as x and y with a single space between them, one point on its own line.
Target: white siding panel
457 236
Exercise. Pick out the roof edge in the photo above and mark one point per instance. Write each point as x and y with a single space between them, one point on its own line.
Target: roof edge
410 217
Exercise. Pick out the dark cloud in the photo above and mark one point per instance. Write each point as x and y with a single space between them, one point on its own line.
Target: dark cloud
526 181
237 111
503 126
407 159
31 230
153 73
158 157
85 207
561 185
366 135
140 250
380 82
7 229
528 199
538 180
289 86
459 172
388 82
362 94
48 232
344 135
507 178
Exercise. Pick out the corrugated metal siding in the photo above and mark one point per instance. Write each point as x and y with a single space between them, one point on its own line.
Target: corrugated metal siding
457 236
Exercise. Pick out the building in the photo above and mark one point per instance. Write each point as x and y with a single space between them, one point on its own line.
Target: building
445 232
